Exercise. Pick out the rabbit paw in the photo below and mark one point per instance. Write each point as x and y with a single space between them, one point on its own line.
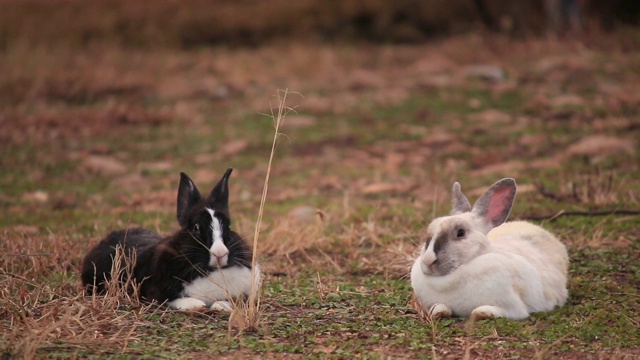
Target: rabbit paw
439 311
186 303
486 312
222 306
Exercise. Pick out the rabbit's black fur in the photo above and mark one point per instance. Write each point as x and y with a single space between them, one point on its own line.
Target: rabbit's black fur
165 267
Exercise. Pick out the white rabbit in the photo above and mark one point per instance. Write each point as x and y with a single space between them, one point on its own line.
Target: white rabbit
474 265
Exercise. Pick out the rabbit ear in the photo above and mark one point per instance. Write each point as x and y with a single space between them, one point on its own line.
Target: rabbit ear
495 204
219 197
188 195
459 203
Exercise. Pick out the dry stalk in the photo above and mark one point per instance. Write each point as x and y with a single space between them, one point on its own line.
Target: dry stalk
322 289
247 316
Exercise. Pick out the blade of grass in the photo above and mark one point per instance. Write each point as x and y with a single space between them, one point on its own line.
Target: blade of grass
249 318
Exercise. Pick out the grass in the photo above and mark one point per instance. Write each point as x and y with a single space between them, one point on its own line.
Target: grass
349 192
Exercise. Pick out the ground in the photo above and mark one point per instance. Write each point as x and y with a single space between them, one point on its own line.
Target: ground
94 141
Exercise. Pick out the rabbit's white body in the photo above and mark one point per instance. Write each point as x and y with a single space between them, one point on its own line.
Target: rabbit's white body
514 276
217 287
515 269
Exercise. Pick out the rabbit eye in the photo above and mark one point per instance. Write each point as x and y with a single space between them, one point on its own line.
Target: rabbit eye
460 233
196 228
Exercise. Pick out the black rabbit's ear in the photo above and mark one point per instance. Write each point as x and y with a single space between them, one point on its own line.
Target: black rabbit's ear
188 196
219 197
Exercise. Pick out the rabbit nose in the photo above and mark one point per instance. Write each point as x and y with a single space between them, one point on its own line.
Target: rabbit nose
428 262
220 253
429 258
428 269
219 250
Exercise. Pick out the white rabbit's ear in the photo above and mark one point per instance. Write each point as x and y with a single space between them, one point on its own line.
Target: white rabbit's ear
188 196
495 204
459 203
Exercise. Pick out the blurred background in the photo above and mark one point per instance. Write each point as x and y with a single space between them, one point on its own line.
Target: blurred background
103 102
196 23
100 96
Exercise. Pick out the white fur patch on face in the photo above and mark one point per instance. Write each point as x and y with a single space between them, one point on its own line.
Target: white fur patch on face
428 256
428 259
219 252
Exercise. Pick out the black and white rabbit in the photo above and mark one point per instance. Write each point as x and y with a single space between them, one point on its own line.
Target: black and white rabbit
203 264
474 264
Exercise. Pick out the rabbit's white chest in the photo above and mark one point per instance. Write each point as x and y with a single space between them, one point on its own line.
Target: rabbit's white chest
480 282
221 285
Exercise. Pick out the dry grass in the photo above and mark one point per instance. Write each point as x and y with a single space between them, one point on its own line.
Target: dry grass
596 188
43 311
292 237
